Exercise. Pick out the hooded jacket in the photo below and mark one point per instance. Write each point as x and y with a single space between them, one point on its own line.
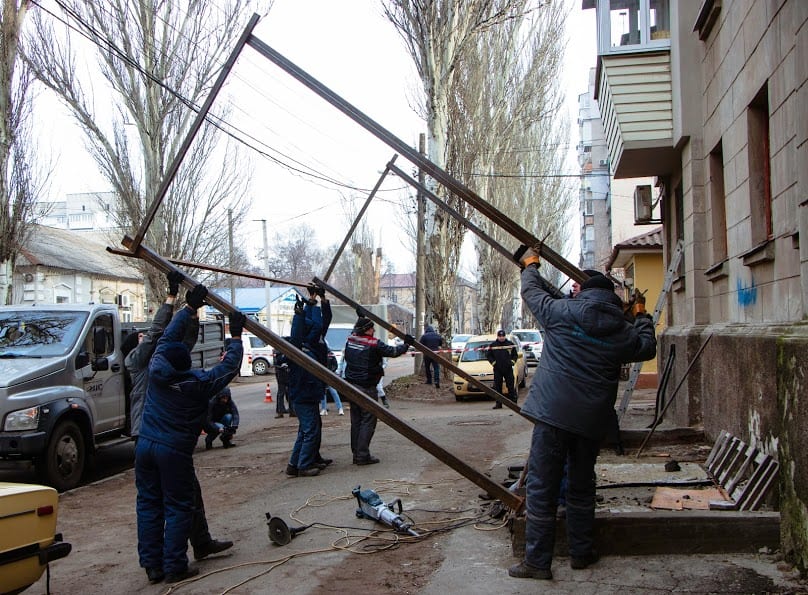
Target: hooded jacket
431 339
307 333
586 339
137 360
177 401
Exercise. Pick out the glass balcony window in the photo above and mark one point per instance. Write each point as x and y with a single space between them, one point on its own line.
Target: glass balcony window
633 25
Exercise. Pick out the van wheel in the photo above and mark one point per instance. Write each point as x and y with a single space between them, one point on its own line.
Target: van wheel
260 367
65 457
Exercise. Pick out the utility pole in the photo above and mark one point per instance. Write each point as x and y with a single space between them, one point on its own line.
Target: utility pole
267 284
231 259
420 273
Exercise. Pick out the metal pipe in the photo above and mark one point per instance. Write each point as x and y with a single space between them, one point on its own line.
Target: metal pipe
350 392
197 124
358 218
442 176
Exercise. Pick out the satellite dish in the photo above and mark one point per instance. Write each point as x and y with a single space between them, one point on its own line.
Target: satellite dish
29 278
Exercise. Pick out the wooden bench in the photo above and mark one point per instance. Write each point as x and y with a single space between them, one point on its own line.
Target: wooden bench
742 472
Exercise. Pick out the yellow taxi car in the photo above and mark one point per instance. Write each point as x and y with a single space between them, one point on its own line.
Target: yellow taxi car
473 361
28 538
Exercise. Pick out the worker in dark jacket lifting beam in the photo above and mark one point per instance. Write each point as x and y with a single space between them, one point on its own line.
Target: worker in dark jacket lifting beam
586 339
363 368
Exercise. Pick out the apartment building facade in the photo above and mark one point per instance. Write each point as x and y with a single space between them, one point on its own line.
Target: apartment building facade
709 98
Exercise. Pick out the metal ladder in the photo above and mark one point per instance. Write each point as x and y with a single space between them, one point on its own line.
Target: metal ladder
673 267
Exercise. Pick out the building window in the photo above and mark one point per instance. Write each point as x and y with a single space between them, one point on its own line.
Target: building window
718 207
760 191
632 25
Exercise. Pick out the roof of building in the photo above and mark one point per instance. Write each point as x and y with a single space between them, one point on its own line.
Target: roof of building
650 241
68 250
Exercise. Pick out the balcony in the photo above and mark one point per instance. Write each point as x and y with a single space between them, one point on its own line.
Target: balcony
633 85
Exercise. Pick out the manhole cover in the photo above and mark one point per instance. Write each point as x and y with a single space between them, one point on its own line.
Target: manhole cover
483 422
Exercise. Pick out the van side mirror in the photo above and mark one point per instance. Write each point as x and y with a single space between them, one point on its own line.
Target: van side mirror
100 364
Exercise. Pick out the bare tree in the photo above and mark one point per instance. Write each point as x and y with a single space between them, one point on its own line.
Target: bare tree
19 183
294 255
158 60
505 132
437 33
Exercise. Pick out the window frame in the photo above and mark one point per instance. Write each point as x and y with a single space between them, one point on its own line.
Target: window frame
646 44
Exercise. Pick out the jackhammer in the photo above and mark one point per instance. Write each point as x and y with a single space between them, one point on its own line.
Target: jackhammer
372 507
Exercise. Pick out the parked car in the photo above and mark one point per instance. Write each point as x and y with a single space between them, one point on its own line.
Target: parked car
458 342
257 354
336 337
28 538
474 362
532 343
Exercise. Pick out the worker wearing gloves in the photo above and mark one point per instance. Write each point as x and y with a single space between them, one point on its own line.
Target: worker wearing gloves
176 405
137 365
309 325
363 368
586 340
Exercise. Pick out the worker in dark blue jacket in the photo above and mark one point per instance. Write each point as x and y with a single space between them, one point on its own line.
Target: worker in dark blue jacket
586 340
176 406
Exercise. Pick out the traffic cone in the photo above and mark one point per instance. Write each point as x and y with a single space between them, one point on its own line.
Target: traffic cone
268 395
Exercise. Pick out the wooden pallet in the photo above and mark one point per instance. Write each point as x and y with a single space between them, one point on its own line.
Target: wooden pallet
743 473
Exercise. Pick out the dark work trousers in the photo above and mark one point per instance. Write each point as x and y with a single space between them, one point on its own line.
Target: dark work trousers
432 368
200 534
166 484
550 448
304 452
507 376
363 426
282 397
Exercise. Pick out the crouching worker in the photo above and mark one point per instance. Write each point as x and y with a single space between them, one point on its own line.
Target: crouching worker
176 406
222 419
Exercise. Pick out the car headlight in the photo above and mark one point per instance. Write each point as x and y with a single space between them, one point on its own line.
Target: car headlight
24 419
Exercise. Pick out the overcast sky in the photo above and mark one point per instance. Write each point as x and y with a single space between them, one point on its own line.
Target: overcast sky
352 49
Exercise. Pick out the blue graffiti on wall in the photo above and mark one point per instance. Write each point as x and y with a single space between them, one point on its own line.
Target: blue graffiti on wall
747 296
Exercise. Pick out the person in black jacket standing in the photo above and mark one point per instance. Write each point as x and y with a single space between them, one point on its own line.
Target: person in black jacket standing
503 359
363 368
433 341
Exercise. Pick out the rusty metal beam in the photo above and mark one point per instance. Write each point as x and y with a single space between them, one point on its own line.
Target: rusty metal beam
197 124
359 218
410 153
215 269
351 393
423 348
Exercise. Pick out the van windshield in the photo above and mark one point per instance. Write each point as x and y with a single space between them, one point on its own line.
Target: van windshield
27 333
528 336
337 337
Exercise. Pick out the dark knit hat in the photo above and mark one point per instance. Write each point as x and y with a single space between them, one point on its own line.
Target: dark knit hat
597 280
362 324
178 355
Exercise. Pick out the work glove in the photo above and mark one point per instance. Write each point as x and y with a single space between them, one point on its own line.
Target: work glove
321 292
644 314
237 320
359 312
196 297
526 256
409 340
299 305
639 305
174 280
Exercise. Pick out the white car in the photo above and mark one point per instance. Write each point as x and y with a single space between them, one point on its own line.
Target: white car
458 342
532 344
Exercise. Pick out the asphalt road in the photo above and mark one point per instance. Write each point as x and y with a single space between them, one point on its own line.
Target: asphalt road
248 393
